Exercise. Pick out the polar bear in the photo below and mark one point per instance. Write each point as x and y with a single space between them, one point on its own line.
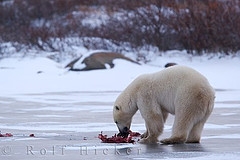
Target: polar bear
178 90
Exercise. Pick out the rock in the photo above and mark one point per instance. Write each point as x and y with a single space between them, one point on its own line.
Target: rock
170 64
99 61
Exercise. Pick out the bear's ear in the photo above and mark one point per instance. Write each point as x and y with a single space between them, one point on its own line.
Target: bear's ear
117 108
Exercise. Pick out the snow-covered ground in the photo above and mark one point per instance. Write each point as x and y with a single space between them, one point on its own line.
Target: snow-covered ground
40 96
40 74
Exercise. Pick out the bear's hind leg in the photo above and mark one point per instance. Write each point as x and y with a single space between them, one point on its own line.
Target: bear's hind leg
195 134
175 139
181 128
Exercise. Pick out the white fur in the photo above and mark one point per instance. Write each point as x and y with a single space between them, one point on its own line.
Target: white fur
177 90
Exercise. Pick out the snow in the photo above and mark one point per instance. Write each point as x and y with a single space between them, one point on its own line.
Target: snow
41 75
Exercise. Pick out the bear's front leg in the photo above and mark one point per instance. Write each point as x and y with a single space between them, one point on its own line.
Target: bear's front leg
154 125
149 140
146 139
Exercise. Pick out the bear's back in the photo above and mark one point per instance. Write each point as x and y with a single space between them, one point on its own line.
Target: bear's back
179 82
169 79
179 75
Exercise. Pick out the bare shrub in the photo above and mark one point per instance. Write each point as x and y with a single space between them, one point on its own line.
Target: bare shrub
201 26
207 26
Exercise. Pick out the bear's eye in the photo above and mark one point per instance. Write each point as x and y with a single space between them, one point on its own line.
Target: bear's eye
117 108
116 122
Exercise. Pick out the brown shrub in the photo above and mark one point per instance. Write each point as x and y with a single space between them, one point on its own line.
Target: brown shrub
201 26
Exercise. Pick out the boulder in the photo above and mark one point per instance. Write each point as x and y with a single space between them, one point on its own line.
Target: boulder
98 61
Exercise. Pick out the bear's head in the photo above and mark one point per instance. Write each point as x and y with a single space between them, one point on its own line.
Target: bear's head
123 120
124 109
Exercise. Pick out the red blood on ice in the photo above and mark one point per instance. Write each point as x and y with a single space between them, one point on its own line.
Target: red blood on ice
134 134
117 138
31 135
6 135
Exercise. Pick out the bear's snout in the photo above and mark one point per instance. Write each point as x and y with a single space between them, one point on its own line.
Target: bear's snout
124 132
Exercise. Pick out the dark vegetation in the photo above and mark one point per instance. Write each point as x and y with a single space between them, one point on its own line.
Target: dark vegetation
202 26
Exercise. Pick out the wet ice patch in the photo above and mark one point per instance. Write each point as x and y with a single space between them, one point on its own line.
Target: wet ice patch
214 126
227 96
98 147
232 125
226 105
201 156
52 116
228 136
5 102
70 127
68 97
227 99
89 127
74 108
227 114
28 139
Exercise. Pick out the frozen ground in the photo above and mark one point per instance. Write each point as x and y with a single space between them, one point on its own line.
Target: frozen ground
67 110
